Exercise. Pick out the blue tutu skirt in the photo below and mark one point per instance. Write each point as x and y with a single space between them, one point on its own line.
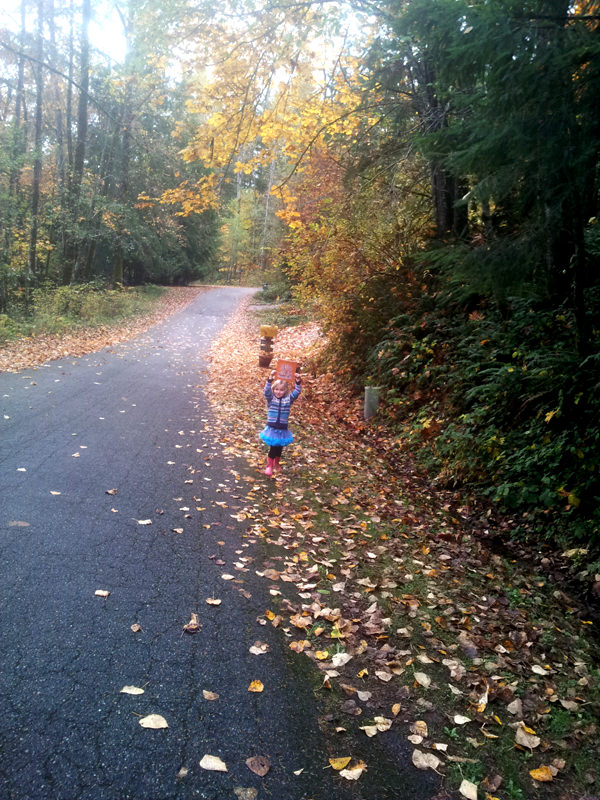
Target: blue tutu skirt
275 438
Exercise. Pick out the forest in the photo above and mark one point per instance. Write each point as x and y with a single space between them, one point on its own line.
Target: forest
422 176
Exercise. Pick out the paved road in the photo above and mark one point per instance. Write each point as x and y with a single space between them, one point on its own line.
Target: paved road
133 418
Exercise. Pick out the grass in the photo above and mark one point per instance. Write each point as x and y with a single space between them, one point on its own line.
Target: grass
283 315
55 310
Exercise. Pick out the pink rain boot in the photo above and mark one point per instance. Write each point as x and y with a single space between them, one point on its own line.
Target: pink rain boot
269 469
276 465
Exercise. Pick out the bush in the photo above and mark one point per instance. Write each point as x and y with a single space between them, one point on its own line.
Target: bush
515 408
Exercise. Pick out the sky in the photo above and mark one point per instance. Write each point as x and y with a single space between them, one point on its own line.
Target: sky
106 31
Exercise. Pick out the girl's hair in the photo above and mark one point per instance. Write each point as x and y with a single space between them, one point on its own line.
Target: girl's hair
283 384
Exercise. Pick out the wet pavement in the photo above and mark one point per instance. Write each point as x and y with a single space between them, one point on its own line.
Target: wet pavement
133 418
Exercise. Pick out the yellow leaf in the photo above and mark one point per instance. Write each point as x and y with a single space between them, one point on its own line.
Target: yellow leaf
340 763
256 686
322 655
542 773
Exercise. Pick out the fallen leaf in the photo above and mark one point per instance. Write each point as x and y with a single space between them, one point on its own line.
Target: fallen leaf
420 728
299 647
570 705
227 577
213 601
353 773
259 648
193 626
101 593
526 737
111 491
425 760
340 763
131 690
516 707
370 730
136 627
339 659
213 763
542 774
322 655
243 793
55 493
459 719
256 686
144 522
540 670
154 721
260 765
423 679
210 695
468 789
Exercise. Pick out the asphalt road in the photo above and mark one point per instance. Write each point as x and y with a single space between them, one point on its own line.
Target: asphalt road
133 418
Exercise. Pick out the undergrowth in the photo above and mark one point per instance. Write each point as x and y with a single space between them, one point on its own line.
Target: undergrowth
495 397
57 309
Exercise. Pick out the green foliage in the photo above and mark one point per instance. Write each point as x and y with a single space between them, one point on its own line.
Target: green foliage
55 309
515 408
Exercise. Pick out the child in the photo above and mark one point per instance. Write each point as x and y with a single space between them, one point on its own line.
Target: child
276 432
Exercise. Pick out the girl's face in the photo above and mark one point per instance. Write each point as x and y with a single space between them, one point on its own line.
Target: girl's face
279 391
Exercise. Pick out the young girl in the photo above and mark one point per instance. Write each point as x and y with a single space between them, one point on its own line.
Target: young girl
276 432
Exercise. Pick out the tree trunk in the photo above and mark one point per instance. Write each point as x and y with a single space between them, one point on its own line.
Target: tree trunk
37 163
75 255
18 139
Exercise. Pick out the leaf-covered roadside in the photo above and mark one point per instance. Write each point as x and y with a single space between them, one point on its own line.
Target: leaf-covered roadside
415 629
32 351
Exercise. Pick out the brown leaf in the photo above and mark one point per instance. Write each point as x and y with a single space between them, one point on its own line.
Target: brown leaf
260 765
193 626
245 793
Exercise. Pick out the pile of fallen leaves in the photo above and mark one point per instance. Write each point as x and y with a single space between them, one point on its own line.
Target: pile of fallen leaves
413 626
31 351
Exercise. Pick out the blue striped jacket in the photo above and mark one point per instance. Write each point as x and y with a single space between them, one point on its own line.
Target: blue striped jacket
278 410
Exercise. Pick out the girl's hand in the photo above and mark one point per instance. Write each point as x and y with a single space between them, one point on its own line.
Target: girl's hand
272 375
